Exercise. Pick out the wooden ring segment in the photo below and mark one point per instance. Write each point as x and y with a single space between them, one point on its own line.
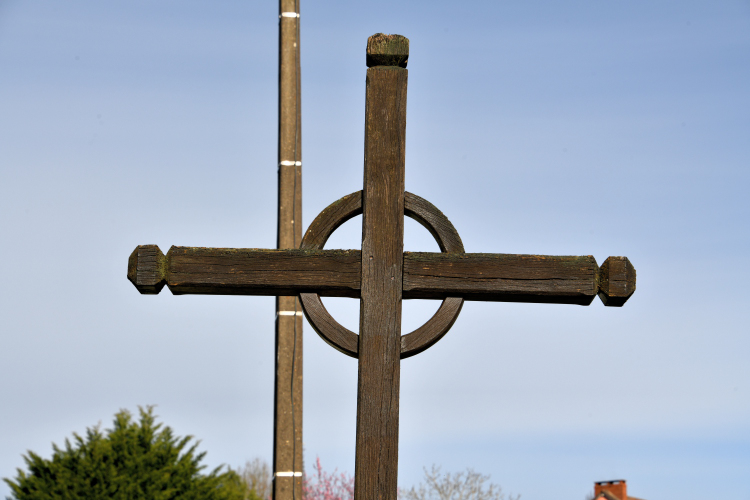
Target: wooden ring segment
340 337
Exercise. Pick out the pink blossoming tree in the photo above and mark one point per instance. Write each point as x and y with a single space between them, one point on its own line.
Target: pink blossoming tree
322 485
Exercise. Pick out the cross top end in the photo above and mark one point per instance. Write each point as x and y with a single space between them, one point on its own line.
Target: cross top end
387 50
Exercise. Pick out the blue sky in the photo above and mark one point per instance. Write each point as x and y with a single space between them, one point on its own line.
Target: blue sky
602 128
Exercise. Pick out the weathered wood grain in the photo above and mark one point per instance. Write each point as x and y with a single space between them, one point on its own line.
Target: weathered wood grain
387 50
432 219
433 330
331 331
449 242
500 277
287 433
416 207
340 211
616 281
246 271
146 269
331 218
337 273
262 272
376 464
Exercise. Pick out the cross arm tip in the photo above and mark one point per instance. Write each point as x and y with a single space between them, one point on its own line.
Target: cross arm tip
147 269
387 50
616 281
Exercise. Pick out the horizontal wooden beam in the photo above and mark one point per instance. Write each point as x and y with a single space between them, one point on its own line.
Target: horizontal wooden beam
246 271
337 273
501 277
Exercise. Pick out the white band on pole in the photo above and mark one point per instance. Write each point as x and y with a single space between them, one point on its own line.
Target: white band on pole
287 163
289 14
289 313
288 474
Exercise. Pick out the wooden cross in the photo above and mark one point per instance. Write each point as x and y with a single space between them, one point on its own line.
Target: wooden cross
381 274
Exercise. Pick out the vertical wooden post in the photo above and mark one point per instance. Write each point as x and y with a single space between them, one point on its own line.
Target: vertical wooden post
287 435
376 468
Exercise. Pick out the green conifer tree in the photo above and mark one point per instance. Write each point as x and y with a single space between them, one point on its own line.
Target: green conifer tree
132 461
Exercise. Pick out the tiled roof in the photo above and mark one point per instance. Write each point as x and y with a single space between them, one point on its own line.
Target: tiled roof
607 495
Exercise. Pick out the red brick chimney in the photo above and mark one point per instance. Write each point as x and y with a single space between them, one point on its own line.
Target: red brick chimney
617 488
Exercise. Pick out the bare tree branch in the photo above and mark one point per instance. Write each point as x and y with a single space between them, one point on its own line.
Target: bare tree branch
467 485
